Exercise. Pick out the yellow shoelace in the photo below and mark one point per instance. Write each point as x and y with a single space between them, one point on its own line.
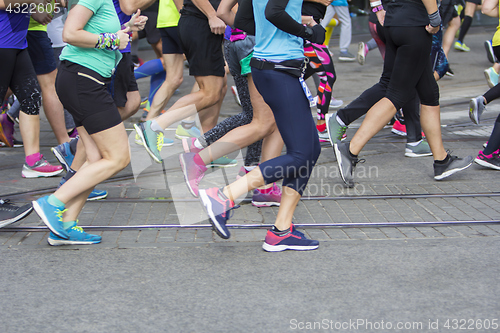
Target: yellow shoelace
159 141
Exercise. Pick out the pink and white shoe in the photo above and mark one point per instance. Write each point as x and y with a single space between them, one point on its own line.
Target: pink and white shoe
193 173
42 168
189 147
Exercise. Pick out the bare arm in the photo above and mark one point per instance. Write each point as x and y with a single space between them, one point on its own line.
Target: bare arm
490 8
129 7
431 7
74 34
217 26
224 11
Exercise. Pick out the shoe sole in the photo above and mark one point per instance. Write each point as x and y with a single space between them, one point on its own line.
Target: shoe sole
138 130
327 122
185 146
452 171
17 218
205 201
489 52
36 174
265 204
398 132
411 154
473 111
486 164
488 79
217 165
60 158
361 56
338 155
45 220
58 242
184 173
279 248
180 137
347 59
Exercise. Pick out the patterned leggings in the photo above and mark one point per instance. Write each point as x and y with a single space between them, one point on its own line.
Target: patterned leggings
321 62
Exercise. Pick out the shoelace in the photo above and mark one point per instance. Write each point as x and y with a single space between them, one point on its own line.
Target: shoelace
7 205
229 211
77 228
159 141
59 214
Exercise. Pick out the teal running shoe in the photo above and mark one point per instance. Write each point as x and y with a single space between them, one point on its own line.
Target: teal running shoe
51 216
182 133
151 140
76 237
223 162
166 141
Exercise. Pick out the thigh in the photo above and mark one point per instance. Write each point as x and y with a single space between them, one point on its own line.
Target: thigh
40 51
24 84
170 41
123 80
8 57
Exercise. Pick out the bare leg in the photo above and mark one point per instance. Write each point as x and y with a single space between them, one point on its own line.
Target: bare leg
430 120
30 131
449 34
132 105
52 107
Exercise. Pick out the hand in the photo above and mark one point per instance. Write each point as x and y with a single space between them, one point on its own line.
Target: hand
432 30
124 38
137 21
324 2
309 21
217 26
381 16
42 18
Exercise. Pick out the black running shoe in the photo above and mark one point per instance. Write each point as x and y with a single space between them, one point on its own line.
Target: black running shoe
454 165
346 162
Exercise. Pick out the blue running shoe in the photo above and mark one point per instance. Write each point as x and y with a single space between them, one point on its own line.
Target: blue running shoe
97 195
293 240
182 133
218 208
64 155
76 237
151 140
51 216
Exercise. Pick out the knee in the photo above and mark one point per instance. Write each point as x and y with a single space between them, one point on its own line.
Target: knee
122 160
177 81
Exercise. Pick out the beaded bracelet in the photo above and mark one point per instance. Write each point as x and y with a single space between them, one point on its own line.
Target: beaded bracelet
377 9
108 41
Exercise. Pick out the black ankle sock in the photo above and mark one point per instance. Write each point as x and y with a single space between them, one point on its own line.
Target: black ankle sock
279 232
446 160
10 119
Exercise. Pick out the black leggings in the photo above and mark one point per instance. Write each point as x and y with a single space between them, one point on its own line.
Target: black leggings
18 73
284 95
490 95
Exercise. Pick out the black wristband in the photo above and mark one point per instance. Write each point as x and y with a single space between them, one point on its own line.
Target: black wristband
315 34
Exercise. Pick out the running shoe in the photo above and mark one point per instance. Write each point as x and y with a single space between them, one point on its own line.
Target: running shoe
449 72
335 130
166 141
420 150
6 130
490 54
490 161
454 165
346 56
398 128
183 133
51 216
323 136
491 77
267 199
461 47
219 209
151 140
235 94
64 155
362 52
76 237
223 162
242 173
189 147
292 240
73 133
144 115
346 163
476 109
10 213
335 103
193 173
41 168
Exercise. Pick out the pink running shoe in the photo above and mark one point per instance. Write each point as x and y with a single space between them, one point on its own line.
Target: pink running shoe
6 130
271 198
189 147
42 168
193 173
